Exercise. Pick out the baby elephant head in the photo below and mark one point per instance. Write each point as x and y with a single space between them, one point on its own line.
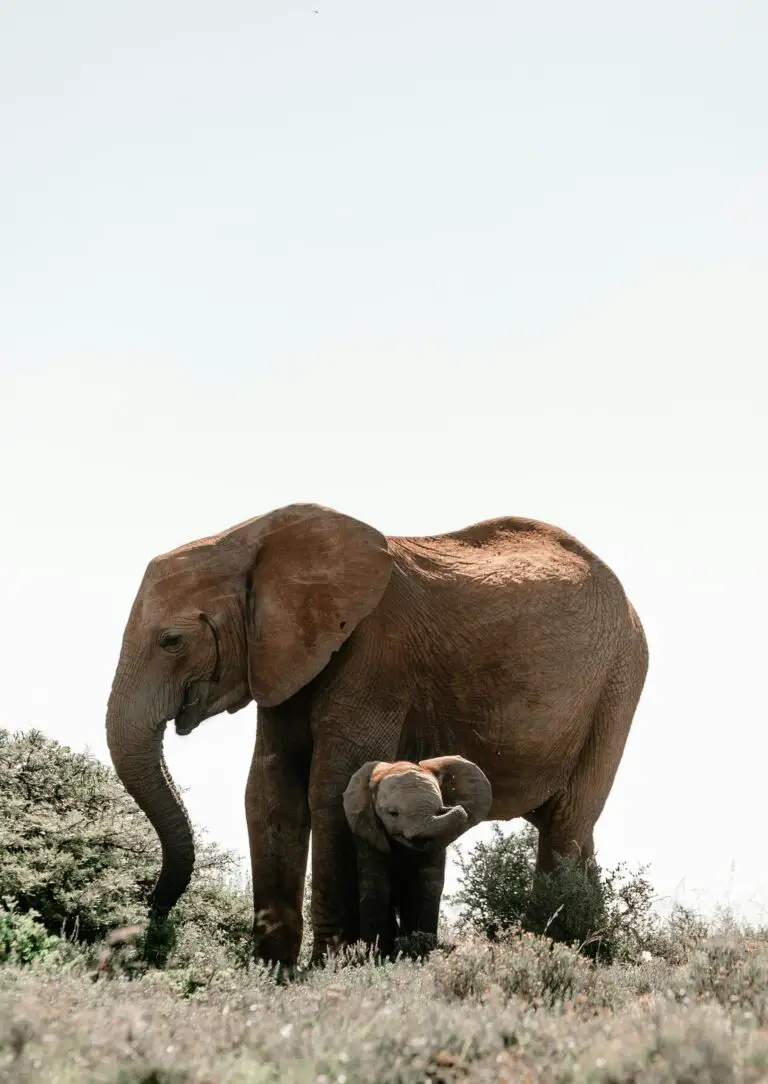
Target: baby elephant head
424 806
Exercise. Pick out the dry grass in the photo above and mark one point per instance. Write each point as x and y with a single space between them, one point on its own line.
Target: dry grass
674 1007
520 1010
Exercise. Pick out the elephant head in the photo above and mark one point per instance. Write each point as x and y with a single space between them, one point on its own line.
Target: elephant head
253 613
424 806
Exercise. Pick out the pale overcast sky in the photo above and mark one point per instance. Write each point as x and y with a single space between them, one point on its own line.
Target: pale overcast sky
425 262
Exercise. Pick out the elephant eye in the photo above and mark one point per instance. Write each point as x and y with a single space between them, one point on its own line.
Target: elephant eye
170 640
394 813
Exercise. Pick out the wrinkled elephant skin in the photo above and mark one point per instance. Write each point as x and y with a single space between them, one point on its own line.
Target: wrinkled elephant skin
508 643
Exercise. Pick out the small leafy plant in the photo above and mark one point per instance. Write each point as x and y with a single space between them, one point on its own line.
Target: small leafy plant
607 914
23 938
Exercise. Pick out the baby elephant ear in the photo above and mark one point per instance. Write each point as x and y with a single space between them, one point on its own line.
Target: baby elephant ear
462 783
359 808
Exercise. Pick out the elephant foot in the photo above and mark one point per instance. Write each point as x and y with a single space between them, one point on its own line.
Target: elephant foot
276 936
416 945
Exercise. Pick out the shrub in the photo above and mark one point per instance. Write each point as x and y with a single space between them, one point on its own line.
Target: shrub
496 879
733 972
608 914
518 964
77 850
23 938
678 936
214 916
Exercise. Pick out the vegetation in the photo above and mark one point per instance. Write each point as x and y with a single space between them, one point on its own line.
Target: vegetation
76 850
609 915
620 997
520 1008
23 939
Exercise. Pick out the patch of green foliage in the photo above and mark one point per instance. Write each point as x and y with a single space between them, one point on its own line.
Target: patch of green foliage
23 938
609 914
77 850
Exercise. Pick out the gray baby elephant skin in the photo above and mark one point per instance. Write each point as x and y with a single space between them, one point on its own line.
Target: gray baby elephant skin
404 815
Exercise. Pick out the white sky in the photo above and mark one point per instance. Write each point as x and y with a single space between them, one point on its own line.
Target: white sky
425 262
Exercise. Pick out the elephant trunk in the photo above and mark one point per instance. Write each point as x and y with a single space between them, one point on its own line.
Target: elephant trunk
442 829
136 747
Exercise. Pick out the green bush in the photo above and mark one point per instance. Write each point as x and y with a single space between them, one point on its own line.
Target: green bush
608 914
495 881
23 939
77 850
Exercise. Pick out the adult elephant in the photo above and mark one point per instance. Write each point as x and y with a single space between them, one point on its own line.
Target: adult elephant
507 642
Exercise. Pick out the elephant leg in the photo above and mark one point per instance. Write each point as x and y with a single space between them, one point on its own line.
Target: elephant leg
277 814
378 925
335 897
566 822
420 888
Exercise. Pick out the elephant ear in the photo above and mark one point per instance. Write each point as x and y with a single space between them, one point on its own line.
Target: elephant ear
462 783
359 806
312 582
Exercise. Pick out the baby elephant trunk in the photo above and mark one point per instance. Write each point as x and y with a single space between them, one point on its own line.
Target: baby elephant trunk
442 829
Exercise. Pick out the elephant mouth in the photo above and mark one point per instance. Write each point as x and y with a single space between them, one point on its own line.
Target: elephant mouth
192 711
185 723
195 705
198 706
432 837
418 844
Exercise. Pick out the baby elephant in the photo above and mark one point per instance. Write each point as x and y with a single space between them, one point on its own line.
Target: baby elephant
404 816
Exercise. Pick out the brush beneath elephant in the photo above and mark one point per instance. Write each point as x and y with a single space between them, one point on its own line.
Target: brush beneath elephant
404 816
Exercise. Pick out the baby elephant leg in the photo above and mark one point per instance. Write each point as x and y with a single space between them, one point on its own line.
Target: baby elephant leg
378 925
418 881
